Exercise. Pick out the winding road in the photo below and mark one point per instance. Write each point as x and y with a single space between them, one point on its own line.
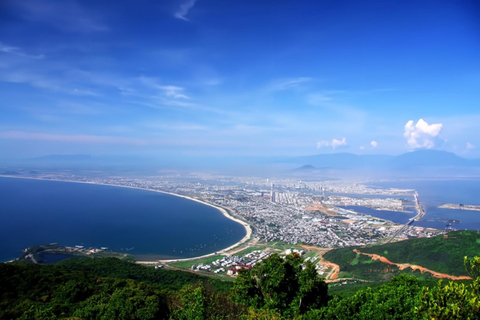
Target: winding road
414 267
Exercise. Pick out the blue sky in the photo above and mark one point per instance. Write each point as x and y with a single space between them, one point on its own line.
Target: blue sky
249 78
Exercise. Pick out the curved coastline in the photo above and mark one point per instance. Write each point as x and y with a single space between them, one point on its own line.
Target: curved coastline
222 210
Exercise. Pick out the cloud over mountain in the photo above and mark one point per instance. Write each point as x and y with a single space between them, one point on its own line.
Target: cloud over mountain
421 135
334 143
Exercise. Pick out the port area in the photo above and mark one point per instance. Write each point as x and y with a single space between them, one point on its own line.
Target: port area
460 206
420 214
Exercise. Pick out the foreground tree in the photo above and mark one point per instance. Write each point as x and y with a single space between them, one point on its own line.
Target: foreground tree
453 300
289 286
202 301
394 300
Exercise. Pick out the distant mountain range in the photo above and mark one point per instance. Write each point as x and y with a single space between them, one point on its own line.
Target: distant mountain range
419 163
432 158
306 168
419 158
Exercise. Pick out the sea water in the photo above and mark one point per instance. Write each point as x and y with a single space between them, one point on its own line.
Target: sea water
149 225
433 193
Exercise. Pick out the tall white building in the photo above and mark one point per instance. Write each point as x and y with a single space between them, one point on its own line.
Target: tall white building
272 194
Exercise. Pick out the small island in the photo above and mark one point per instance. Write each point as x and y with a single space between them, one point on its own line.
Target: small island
460 206
48 253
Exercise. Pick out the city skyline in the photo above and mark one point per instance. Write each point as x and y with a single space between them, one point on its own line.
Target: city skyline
198 78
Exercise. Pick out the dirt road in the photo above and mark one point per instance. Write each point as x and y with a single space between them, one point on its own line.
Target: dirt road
414 267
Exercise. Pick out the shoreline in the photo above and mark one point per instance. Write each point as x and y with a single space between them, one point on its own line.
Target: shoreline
223 211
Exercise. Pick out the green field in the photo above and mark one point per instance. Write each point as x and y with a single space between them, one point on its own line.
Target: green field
282 246
190 263
250 249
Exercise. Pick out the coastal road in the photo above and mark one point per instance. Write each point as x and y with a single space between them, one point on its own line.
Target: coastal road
420 214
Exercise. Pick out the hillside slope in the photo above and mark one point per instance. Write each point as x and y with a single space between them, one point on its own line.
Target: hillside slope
443 254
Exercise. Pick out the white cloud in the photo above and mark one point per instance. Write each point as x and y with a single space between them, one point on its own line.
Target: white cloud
17 51
184 9
470 146
176 103
374 143
338 143
322 143
37 78
168 90
334 143
292 83
7 49
173 91
421 135
362 147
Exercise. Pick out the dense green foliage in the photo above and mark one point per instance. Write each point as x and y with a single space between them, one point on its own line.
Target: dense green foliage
45 292
442 254
95 289
347 290
288 286
454 300
362 267
200 301
404 298
394 300
277 288
161 278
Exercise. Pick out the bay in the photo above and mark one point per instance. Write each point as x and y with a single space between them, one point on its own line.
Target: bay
149 225
394 216
433 193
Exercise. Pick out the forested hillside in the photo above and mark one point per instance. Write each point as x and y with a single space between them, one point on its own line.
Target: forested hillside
442 254
277 288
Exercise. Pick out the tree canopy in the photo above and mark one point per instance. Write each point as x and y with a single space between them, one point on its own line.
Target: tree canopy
277 288
287 285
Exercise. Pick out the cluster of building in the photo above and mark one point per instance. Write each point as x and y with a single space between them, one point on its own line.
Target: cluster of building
293 223
281 209
231 264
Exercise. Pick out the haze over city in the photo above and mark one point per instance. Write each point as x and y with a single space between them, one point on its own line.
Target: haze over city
200 159
202 78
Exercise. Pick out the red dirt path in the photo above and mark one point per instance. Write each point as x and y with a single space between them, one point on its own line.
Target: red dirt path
403 266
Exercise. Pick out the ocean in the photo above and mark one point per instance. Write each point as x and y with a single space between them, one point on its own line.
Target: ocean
433 193
149 225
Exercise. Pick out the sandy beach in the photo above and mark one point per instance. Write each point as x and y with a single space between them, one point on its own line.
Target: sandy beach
224 211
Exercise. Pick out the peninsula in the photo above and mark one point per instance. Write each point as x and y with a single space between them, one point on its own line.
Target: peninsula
460 206
38 254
